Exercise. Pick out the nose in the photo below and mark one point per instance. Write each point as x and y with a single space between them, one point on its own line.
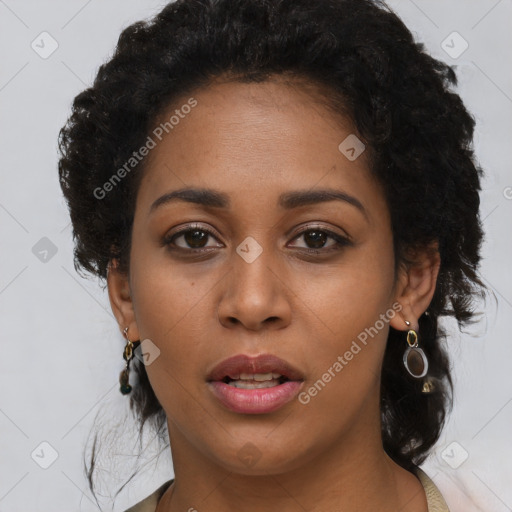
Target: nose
255 295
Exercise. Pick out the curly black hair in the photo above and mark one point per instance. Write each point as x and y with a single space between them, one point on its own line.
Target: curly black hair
417 131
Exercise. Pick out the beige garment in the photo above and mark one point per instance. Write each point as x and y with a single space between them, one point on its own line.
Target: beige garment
435 499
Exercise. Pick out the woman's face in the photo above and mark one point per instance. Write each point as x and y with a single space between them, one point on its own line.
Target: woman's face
245 280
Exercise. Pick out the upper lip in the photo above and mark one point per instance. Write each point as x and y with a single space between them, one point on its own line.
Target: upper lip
263 363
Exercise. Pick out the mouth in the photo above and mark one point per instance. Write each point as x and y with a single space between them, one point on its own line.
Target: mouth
255 385
255 380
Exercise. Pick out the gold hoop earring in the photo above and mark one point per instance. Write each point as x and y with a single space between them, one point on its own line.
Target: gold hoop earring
124 376
415 360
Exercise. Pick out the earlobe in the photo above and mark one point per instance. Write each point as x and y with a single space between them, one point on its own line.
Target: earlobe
417 285
119 294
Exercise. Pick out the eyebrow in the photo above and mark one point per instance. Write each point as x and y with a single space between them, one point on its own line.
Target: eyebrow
214 199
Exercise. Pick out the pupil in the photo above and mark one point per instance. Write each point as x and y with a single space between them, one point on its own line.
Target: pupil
318 238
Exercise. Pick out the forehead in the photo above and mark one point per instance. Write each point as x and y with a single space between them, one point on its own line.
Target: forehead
254 138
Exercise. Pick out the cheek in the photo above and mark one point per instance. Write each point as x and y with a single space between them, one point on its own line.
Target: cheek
166 294
351 294
351 309
167 303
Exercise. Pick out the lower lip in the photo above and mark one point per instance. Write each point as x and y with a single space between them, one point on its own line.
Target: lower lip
255 401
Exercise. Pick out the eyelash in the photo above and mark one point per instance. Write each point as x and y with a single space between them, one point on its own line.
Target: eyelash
341 241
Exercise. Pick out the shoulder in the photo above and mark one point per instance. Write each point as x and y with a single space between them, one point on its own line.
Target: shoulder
435 500
149 504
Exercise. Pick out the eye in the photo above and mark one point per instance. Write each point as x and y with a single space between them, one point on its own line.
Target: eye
317 237
194 237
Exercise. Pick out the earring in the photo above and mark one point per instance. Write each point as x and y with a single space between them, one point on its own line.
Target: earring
428 386
415 360
124 377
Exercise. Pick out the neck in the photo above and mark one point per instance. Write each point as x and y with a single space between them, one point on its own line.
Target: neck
353 474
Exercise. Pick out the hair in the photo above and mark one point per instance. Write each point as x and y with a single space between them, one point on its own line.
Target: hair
417 131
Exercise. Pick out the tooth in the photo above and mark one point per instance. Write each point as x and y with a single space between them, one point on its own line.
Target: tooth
254 385
260 377
255 376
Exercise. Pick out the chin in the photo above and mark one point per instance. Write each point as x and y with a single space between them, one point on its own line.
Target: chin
261 456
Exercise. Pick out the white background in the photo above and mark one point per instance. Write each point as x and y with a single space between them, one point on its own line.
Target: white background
61 348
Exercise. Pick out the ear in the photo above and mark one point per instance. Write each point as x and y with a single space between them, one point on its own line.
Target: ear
121 302
416 285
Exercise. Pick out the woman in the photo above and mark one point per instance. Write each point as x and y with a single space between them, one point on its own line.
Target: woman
283 200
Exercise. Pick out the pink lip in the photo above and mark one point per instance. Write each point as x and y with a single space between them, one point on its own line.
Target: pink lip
254 401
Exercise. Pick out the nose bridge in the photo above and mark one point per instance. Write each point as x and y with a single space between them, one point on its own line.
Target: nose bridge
252 266
253 292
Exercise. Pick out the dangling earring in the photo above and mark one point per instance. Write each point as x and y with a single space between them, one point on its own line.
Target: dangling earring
428 386
124 377
415 360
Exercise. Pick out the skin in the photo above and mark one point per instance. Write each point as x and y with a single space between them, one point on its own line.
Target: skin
254 142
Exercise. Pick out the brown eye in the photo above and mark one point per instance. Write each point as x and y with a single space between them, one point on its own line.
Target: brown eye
316 240
194 238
